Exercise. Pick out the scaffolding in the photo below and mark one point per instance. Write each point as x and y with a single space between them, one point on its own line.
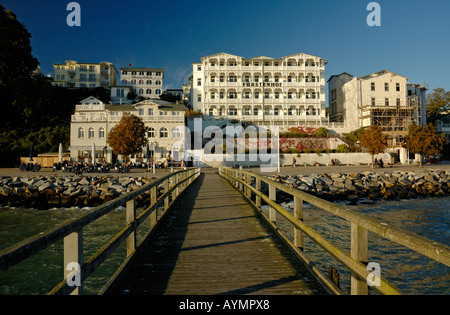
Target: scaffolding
394 121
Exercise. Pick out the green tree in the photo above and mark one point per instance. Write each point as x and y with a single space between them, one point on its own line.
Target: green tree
322 132
373 140
424 140
438 102
128 136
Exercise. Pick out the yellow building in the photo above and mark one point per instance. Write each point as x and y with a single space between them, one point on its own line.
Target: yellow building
84 75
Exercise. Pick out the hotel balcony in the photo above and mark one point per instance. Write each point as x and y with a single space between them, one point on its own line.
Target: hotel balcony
89 118
90 107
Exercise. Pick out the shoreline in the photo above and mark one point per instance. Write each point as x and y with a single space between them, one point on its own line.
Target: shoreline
49 189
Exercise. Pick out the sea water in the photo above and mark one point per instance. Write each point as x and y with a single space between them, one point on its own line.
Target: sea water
412 273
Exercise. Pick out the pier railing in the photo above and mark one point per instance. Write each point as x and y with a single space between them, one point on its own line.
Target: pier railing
76 270
357 260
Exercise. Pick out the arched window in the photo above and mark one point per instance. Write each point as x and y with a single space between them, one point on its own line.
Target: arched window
163 132
81 132
101 132
148 91
141 91
141 81
151 132
176 133
91 132
157 91
149 81
124 81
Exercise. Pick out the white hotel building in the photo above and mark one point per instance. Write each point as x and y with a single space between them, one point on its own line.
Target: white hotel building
266 91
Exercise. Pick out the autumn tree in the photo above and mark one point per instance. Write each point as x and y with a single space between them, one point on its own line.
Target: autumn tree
128 136
438 102
424 140
373 140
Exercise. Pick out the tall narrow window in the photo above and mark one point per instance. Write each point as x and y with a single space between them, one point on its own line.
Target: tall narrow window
386 87
397 87
372 86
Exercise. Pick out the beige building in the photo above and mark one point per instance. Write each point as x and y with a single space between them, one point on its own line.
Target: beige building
146 82
263 90
383 98
93 120
74 74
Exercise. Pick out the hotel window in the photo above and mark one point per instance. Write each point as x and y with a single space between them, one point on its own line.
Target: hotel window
141 91
151 132
199 82
124 72
247 64
373 101
256 95
289 64
101 132
149 74
158 74
148 91
277 95
256 64
247 95
232 94
221 78
133 81
141 73
266 94
150 111
157 91
222 95
80 132
266 111
386 101
211 111
158 82
163 133
246 78
372 86
256 78
92 78
289 94
289 79
276 111
232 111
232 78
386 87
290 111
213 79
199 68
277 79
246 111
266 63
91 133
213 95
83 78
141 112
276 64
176 133
255 111
397 87
141 81
398 102
266 78
133 72
199 97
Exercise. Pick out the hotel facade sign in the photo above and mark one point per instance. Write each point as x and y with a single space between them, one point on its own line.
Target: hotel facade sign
261 84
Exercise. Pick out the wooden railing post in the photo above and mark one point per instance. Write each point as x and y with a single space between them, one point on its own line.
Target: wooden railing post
166 189
298 213
258 198
153 215
73 260
130 218
272 196
359 252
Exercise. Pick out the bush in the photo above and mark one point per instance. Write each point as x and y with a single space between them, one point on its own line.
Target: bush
322 132
343 148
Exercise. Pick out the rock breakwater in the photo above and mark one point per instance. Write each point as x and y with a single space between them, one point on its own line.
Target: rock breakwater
68 191
394 185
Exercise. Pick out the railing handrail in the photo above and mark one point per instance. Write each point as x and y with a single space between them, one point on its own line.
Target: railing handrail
431 249
34 244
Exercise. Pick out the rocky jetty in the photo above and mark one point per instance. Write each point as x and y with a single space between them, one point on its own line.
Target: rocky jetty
371 185
68 191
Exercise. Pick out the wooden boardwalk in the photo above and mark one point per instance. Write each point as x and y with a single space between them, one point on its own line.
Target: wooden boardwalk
214 243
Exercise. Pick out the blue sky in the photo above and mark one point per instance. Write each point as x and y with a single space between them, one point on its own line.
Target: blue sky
413 39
